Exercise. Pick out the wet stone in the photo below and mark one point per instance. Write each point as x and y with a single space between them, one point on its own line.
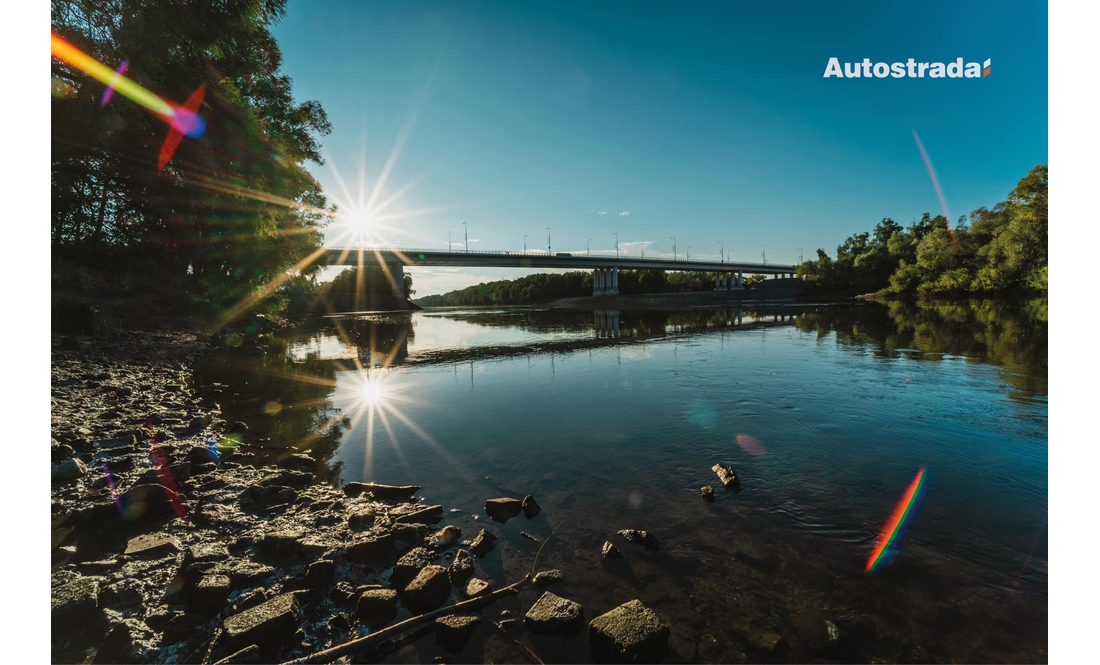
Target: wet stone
503 509
553 614
273 621
727 475
428 515
483 544
447 536
377 607
707 492
629 633
454 631
408 566
610 551
461 568
428 590
371 549
361 519
530 507
639 537
298 462
545 578
476 587
382 492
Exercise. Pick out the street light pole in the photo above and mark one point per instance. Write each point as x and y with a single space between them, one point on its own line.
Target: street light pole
616 244
673 239
588 248
763 255
722 251
466 235
525 243
548 250
448 241
689 253
799 256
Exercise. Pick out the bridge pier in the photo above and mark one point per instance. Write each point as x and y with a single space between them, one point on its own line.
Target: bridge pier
605 282
727 281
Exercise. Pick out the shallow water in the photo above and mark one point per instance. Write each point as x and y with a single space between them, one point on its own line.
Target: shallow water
612 420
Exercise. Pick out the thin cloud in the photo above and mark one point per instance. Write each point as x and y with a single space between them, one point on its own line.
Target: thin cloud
601 212
625 213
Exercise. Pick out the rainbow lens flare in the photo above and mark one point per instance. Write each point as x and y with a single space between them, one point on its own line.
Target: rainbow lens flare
902 514
111 86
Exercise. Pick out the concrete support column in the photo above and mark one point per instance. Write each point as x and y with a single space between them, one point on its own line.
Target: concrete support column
740 280
615 285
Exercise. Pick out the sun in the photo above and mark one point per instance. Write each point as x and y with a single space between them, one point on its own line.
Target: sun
372 392
360 220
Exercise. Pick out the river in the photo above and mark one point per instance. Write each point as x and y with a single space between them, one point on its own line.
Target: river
613 419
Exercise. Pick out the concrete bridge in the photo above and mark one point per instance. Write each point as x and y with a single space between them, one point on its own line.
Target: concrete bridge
729 275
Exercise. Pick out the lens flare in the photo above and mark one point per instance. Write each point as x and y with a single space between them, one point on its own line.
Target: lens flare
936 184
110 91
750 444
903 513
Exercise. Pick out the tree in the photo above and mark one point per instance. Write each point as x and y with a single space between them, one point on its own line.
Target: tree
234 209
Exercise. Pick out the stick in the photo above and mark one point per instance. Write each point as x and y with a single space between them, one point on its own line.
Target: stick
360 643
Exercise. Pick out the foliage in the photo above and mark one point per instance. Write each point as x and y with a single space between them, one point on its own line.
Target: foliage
233 209
1002 249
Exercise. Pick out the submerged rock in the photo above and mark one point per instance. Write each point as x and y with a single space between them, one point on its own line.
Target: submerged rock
461 568
454 631
707 492
610 551
447 536
503 509
476 587
629 633
644 538
410 565
554 614
547 577
727 475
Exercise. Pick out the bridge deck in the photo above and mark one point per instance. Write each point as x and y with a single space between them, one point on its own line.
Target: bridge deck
349 256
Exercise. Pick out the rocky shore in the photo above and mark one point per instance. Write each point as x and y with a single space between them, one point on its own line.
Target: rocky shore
171 544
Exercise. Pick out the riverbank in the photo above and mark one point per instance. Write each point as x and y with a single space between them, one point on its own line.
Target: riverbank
169 544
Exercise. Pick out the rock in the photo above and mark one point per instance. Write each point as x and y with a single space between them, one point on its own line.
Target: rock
644 538
503 509
429 515
454 631
447 536
273 621
483 544
727 475
210 594
532 538
832 631
179 472
289 478
707 492
124 594
545 578
770 642
268 495
342 592
291 543
382 492
299 461
408 536
610 551
60 452
241 572
152 544
428 590
361 519
205 553
629 633
476 587
74 602
249 654
552 614
530 507
372 549
68 471
408 566
377 607
320 573
128 441
152 500
462 568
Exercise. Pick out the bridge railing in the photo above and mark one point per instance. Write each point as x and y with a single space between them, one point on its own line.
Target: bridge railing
602 255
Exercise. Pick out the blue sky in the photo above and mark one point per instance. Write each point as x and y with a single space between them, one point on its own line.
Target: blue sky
710 122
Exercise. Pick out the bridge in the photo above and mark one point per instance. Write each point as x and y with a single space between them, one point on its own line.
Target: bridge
729 275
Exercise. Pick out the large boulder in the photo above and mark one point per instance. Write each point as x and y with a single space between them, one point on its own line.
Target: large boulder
74 602
273 621
553 614
630 633
428 590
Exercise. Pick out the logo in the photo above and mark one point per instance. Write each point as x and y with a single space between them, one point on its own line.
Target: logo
909 69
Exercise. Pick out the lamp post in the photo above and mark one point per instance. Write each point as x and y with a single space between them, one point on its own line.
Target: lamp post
763 255
673 239
799 256
689 253
588 248
448 241
524 243
722 251
616 244
548 250
466 235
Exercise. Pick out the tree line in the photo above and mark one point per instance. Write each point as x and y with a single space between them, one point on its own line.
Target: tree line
998 250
